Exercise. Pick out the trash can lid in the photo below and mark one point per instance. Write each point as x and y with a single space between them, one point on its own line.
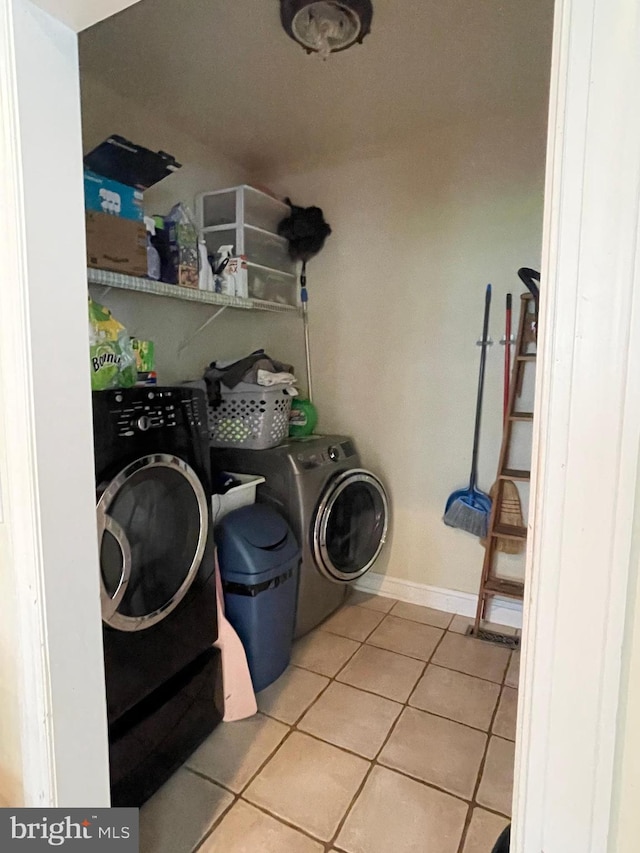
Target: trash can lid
254 540
258 524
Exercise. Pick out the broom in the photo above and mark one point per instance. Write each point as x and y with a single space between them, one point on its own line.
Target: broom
469 509
510 508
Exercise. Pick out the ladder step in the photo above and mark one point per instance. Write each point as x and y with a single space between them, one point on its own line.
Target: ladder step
521 416
515 474
528 357
499 586
509 531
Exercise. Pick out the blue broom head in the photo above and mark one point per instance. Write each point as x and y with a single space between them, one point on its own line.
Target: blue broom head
468 509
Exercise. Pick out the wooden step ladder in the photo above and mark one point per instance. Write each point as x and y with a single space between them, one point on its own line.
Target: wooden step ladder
490 584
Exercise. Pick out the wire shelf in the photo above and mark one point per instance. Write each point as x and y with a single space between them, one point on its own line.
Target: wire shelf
104 278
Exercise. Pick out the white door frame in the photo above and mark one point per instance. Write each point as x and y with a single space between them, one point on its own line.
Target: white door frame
49 491
586 432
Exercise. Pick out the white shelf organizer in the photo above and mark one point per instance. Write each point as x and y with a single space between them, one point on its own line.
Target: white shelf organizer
248 220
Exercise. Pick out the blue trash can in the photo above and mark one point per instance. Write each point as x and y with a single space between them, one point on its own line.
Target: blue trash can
259 562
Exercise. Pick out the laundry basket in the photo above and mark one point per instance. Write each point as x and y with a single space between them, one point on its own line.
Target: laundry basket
250 416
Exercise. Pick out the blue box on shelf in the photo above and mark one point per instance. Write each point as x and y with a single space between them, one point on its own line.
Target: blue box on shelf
103 195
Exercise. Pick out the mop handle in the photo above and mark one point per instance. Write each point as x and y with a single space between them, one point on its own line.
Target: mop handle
304 299
305 321
483 359
507 357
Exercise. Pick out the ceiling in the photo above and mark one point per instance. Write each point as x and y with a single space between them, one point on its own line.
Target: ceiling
226 72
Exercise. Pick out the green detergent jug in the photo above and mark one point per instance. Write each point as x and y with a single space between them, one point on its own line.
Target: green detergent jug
303 417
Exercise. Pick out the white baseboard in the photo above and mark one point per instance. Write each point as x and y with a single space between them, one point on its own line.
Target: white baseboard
502 611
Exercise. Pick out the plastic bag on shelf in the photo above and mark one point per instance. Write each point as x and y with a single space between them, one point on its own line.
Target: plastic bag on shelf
113 363
183 246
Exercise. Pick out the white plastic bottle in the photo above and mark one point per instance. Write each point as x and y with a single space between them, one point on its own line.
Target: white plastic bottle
225 283
205 279
153 258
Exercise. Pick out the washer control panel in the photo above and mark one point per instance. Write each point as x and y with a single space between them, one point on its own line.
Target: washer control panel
322 456
152 409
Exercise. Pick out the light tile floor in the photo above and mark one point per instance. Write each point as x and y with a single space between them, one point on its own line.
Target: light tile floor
390 731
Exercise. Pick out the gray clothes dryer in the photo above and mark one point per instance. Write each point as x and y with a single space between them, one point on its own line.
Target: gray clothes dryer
338 511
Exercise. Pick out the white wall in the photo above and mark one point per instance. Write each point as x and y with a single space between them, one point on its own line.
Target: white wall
79 14
625 824
11 793
166 321
396 302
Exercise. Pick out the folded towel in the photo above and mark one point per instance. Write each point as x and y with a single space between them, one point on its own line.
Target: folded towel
266 377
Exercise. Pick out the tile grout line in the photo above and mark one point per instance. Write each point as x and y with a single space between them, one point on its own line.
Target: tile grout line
474 802
488 734
222 814
215 823
324 626
285 821
292 728
402 654
429 662
446 627
329 630
406 704
341 666
374 762
328 846
238 795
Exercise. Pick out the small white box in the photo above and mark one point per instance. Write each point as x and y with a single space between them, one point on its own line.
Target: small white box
242 495
235 274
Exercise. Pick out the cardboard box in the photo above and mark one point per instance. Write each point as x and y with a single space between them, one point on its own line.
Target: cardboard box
116 244
103 195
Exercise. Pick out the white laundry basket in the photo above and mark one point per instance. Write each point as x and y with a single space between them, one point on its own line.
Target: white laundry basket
251 416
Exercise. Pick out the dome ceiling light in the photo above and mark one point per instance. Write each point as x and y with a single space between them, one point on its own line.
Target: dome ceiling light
326 26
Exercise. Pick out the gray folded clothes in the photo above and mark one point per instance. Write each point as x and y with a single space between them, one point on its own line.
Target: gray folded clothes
266 365
244 370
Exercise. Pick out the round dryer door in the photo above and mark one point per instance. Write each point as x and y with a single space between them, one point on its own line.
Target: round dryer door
152 532
351 525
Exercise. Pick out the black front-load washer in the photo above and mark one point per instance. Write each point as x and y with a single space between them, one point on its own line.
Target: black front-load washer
157 581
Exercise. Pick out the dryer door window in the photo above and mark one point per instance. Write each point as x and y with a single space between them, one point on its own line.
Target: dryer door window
152 531
351 525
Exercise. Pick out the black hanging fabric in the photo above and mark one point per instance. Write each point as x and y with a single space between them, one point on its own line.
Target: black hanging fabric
306 231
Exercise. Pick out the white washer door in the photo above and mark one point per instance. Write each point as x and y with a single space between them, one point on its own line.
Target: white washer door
351 525
152 532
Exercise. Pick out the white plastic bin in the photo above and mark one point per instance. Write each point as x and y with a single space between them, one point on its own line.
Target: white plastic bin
257 246
242 495
238 206
271 285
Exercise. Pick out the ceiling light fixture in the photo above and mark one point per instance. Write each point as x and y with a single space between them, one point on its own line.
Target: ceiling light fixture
326 26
